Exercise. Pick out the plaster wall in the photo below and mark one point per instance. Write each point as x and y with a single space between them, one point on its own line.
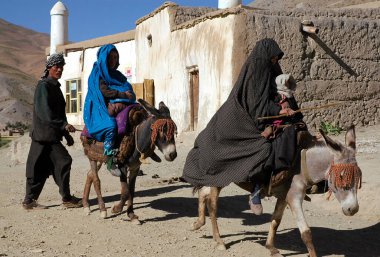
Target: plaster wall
173 54
72 70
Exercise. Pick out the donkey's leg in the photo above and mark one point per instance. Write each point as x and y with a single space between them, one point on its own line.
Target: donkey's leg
212 206
131 188
124 193
86 193
275 222
294 198
97 186
203 194
87 188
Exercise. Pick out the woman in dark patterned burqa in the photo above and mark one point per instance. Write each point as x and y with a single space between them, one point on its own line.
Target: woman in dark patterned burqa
232 148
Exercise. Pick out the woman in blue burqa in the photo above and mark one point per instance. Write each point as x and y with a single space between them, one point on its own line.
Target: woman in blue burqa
232 148
107 87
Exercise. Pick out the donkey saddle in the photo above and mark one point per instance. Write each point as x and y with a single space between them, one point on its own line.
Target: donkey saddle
127 121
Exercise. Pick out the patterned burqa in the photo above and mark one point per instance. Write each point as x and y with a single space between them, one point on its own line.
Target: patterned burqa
231 148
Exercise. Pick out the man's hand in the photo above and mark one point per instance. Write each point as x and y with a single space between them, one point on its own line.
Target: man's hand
70 128
69 139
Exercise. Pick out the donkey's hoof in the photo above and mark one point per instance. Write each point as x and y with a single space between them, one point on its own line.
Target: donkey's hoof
86 211
103 214
221 247
196 225
274 252
116 209
135 221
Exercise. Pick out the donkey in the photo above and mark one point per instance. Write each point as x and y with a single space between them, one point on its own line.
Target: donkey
329 160
155 129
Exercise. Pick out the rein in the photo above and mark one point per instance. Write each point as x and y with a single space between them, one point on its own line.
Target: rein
136 132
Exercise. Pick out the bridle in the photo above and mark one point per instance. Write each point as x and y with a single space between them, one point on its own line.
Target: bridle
345 175
342 175
157 126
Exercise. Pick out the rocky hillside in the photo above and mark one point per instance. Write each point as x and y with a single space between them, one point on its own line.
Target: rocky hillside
22 58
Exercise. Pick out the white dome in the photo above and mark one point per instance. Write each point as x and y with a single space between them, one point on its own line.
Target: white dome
59 9
222 4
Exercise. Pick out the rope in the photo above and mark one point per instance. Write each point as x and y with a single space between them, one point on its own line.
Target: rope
136 132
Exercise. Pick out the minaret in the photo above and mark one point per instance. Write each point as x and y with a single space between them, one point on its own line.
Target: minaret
58 29
222 4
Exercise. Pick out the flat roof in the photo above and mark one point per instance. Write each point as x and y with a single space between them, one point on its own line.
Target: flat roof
111 39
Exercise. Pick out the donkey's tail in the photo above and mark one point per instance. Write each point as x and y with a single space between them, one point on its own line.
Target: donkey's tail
196 189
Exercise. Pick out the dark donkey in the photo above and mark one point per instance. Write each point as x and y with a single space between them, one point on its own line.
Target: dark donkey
154 128
331 160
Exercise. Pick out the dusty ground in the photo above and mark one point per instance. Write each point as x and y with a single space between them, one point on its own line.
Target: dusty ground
167 211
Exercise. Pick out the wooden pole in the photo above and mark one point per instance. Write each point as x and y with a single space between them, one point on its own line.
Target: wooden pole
300 110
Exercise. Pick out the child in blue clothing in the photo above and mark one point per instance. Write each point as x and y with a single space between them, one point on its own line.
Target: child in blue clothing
108 93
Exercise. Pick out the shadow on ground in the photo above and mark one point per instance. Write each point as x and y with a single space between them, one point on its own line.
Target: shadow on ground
327 241
231 207
141 193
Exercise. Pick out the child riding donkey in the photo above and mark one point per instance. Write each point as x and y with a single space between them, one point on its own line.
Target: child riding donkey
289 114
109 93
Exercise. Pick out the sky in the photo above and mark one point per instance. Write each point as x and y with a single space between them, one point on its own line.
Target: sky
88 18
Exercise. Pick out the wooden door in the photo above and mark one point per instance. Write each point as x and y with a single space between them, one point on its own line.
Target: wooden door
194 99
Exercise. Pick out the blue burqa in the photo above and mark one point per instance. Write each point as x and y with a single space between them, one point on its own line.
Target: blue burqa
99 123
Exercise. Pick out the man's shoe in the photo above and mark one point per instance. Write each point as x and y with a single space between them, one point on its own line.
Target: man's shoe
72 203
33 205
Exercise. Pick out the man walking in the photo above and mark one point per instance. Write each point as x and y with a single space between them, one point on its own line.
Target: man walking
47 156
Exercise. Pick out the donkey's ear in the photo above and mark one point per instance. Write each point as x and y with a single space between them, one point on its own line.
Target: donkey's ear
149 108
336 146
351 137
164 110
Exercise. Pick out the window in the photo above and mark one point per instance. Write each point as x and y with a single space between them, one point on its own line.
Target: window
73 96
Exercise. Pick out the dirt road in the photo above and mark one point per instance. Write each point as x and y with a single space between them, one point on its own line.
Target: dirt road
168 209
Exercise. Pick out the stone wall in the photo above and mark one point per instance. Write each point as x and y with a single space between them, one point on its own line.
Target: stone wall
339 64
184 14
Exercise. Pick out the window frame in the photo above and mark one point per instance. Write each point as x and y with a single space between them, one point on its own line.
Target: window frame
77 97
